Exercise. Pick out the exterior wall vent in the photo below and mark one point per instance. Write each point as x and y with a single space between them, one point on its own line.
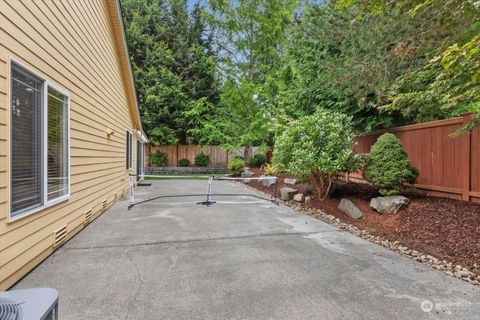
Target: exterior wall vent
88 217
115 196
60 235
104 205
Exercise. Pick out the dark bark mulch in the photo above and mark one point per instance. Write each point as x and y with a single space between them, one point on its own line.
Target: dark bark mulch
445 228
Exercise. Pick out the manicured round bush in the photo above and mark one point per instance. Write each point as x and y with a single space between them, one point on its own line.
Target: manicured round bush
183 163
236 166
202 160
258 160
388 167
316 149
158 158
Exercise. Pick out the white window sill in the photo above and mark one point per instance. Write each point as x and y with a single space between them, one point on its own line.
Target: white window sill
38 209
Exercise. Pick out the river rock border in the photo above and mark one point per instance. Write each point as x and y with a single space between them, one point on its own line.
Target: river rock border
456 271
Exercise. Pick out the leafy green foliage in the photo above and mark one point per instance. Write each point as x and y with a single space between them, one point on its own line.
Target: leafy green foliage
249 35
258 160
388 167
269 169
317 148
339 65
236 166
445 82
173 63
158 158
448 86
237 73
183 163
202 160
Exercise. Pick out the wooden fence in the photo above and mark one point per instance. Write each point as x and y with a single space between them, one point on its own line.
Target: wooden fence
449 166
218 157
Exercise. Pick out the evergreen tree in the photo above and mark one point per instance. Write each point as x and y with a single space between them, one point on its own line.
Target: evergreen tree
249 36
173 63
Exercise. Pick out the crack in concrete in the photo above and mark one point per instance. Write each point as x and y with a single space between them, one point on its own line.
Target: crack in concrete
140 279
264 235
142 282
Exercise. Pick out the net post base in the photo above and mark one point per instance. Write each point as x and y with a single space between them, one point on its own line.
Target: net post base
207 203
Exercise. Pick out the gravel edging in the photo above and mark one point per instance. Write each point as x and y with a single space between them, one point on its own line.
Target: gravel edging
456 271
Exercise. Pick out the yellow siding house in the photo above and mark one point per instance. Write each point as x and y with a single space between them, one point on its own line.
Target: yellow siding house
70 131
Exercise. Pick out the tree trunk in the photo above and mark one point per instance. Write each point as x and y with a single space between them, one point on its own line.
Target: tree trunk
182 138
247 153
322 184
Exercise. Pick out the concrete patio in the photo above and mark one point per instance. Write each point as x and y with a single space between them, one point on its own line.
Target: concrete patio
242 258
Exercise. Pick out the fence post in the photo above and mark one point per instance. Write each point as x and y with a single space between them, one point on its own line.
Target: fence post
466 156
176 164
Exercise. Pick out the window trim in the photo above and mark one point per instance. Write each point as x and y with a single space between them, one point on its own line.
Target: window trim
46 84
142 168
129 151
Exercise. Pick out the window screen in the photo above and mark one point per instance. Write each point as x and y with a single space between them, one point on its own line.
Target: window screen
129 150
26 141
57 156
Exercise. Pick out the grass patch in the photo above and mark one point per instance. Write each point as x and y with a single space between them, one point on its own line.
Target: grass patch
195 176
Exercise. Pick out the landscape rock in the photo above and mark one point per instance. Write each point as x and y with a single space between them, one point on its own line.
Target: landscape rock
447 267
391 204
461 273
246 181
268 181
247 174
350 209
287 194
299 197
308 199
290 181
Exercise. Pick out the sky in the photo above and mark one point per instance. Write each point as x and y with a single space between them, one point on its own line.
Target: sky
191 3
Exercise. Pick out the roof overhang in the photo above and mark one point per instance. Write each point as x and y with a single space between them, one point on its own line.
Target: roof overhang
116 18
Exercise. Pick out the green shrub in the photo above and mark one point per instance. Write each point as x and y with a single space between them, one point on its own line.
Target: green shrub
202 160
388 166
236 166
183 163
258 160
158 158
316 149
269 169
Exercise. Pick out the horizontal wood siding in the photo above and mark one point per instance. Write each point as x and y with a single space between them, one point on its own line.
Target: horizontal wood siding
73 44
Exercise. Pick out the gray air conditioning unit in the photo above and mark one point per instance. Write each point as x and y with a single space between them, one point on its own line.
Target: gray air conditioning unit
29 304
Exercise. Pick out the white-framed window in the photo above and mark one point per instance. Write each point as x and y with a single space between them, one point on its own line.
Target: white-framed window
39 157
140 160
128 144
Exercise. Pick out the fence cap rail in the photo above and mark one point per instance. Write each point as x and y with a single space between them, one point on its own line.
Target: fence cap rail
424 125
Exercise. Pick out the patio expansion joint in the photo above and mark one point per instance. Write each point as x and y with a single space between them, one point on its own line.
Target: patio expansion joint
166 242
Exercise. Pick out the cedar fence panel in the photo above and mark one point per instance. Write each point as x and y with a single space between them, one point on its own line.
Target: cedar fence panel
218 157
448 166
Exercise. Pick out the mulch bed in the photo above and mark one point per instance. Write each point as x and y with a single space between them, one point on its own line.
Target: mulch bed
445 228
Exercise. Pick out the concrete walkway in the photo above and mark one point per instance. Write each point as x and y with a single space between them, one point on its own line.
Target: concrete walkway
242 258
